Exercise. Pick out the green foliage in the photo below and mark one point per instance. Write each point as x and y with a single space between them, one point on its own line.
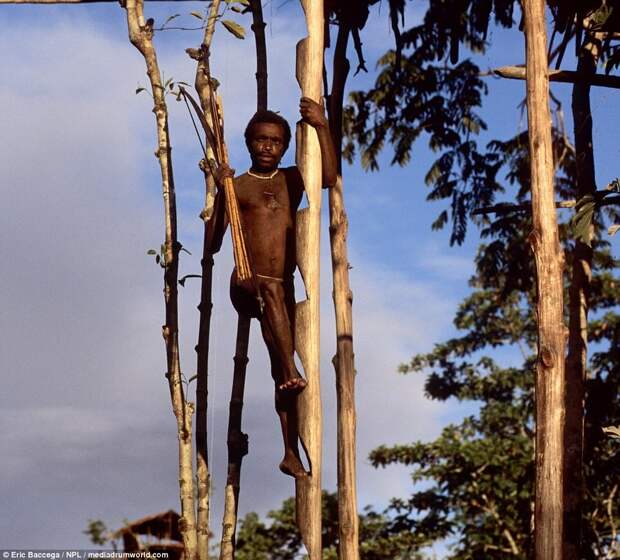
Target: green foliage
160 256
478 475
586 210
420 94
381 537
97 532
424 91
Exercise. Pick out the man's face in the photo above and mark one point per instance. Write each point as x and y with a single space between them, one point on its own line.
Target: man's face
266 146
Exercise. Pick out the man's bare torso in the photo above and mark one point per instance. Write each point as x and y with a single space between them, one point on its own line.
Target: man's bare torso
268 208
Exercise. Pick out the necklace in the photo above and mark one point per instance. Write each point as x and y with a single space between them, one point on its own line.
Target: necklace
266 177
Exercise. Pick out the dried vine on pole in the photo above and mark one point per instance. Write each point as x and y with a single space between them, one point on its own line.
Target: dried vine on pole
141 36
550 382
309 74
343 300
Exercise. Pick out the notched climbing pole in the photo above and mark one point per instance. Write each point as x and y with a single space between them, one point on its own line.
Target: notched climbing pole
308 157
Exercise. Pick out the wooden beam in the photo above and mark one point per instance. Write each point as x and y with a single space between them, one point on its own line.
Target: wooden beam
549 257
565 76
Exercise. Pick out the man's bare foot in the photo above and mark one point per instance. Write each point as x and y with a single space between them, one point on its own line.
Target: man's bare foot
292 466
293 386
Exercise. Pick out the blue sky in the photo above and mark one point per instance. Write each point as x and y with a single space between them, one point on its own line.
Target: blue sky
86 429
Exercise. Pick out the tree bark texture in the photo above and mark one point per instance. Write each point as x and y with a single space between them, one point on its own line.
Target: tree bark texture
309 73
348 530
258 27
576 361
141 35
550 382
237 442
211 221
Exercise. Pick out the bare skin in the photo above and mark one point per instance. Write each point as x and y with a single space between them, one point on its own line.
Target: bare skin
268 201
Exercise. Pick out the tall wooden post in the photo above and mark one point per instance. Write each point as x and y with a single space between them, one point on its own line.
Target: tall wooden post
348 531
550 382
309 76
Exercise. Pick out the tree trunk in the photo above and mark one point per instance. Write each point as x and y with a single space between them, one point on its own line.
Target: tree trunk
210 246
237 441
308 489
576 360
550 383
140 35
343 361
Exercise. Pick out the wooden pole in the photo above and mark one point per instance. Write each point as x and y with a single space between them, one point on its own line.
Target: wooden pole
550 383
211 244
308 156
237 441
565 76
348 530
576 360
141 35
258 27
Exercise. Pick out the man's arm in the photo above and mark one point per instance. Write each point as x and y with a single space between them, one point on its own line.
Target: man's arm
313 114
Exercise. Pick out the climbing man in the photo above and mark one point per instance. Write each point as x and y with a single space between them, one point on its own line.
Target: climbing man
268 198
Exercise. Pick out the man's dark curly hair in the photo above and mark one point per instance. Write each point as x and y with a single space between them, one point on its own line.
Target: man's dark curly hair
271 118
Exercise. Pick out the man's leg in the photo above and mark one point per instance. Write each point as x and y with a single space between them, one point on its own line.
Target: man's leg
286 408
275 322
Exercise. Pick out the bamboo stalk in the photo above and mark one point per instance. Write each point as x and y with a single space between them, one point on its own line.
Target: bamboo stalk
550 382
308 489
565 76
237 441
140 35
576 360
348 531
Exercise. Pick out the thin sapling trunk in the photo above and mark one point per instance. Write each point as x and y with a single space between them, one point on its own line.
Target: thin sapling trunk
141 36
